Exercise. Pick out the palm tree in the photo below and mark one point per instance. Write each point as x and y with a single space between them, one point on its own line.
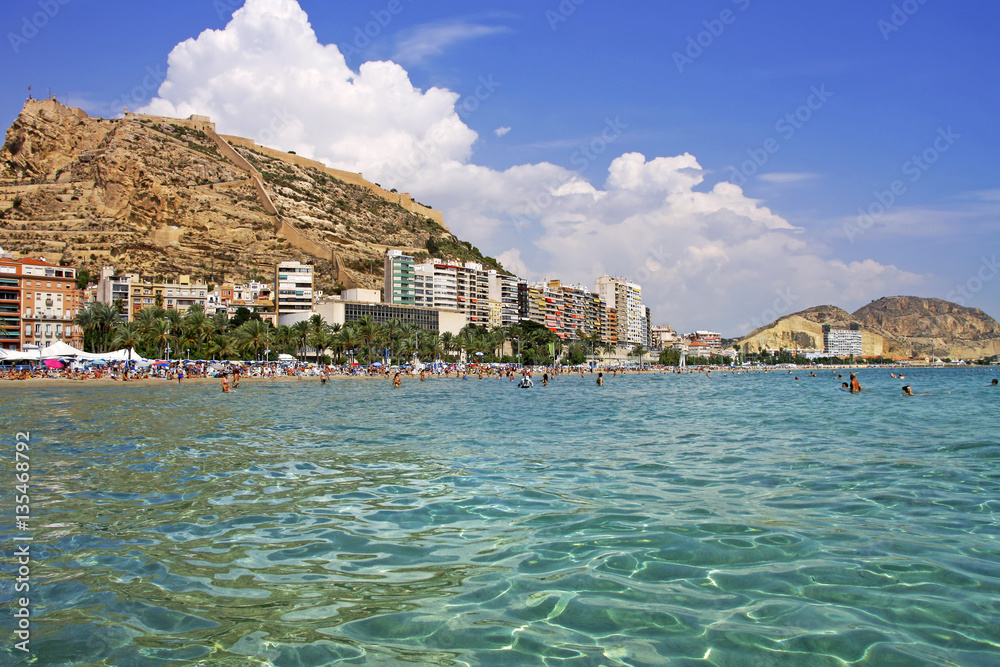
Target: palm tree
176 322
127 335
347 339
253 336
104 321
223 347
320 340
87 322
145 318
158 335
369 332
638 351
409 338
221 320
282 338
300 332
448 343
430 345
196 326
392 332
317 323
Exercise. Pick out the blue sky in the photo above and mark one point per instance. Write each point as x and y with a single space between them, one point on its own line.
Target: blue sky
581 88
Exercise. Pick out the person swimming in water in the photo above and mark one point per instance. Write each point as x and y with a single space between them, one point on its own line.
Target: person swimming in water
600 379
855 385
907 390
225 385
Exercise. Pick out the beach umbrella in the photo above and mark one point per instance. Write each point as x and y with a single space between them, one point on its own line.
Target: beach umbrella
53 363
162 363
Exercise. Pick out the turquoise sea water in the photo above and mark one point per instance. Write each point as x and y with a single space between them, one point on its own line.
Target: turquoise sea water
658 520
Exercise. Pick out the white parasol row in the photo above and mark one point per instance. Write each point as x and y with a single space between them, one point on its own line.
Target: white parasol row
61 350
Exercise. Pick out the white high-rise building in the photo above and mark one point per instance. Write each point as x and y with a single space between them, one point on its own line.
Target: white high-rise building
626 298
293 292
842 342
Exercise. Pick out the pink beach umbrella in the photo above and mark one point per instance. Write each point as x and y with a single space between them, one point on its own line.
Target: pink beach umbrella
53 363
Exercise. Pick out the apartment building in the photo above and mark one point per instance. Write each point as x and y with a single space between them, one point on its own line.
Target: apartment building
180 295
626 297
38 303
399 279
293 292
842 342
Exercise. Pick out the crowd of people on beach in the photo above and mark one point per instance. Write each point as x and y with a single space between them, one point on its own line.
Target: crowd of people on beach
230 373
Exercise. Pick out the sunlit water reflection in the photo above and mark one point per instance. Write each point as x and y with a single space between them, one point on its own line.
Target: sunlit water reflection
681 520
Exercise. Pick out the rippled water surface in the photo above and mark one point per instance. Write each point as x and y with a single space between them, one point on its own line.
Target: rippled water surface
658 520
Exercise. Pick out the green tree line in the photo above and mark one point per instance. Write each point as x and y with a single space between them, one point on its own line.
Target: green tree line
161 333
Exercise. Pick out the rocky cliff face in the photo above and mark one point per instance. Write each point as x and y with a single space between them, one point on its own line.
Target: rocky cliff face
900 327
157 196
933 327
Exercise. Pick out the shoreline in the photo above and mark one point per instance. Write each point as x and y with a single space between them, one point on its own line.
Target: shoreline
719 371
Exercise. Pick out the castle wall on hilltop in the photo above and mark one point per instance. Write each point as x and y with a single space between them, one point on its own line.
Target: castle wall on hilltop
401 198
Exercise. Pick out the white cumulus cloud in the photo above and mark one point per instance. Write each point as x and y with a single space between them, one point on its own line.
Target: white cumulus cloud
705 258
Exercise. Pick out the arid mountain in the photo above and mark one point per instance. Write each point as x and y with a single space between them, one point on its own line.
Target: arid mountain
900 327
933 327
161 197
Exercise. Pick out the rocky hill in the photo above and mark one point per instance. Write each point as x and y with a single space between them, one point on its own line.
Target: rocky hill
933 327
899 327
160 197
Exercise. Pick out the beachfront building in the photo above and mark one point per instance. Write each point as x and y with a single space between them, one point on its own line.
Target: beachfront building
293 292
609 328
399 278
180 295
38 303
699 349
842 342
114 287
648 327
503 296
662 337
440 284
711 338
569 311
250 295
626 298
131 294
10 302
353 305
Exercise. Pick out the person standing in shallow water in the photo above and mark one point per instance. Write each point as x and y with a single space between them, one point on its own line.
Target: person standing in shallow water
600 379
855 385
